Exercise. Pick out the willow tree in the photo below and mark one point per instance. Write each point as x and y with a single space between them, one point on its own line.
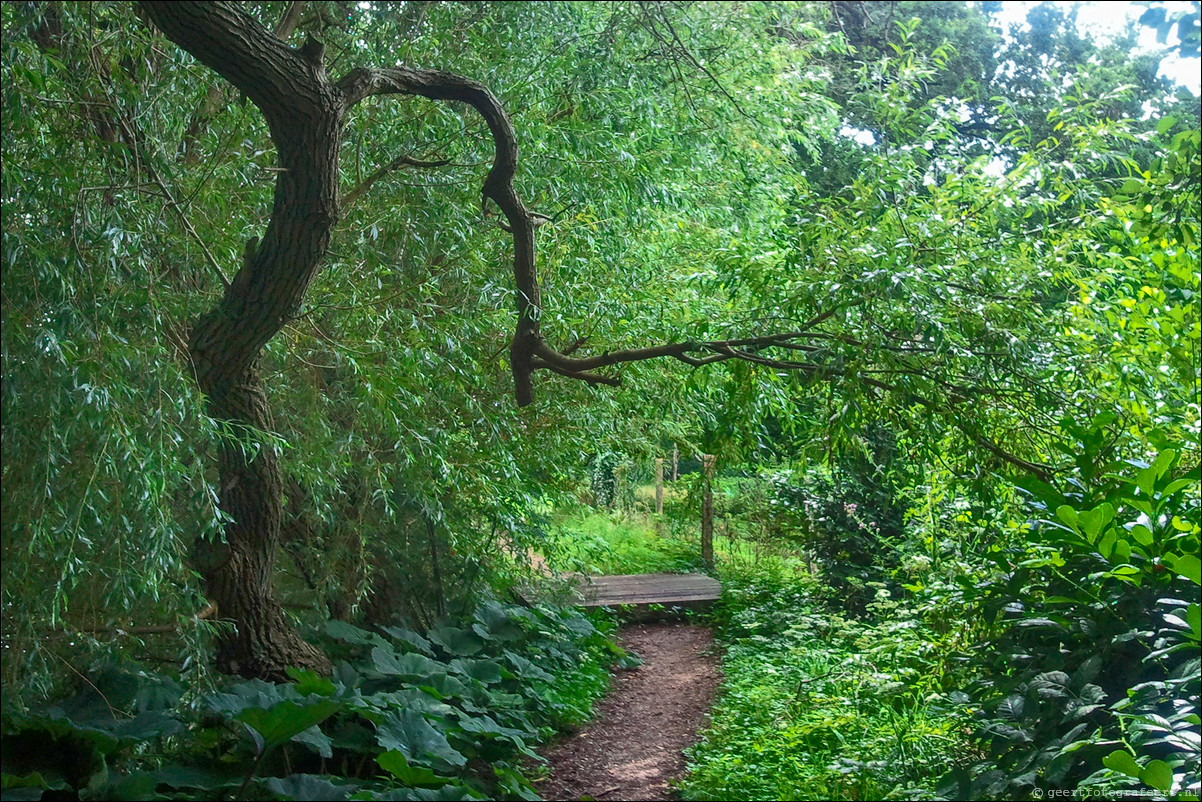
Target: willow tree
306 110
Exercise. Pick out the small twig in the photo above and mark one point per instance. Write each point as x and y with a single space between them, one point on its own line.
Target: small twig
399 161
155 629
92 685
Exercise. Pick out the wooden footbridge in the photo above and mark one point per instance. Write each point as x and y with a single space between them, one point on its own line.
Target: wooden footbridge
670 590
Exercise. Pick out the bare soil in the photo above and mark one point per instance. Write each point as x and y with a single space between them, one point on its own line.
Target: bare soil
632 747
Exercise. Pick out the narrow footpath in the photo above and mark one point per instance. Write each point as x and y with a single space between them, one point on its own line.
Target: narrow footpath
631 749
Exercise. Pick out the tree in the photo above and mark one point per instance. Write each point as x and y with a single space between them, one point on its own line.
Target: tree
306 112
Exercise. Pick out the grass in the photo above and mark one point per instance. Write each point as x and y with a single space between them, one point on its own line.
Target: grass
636 541
601 543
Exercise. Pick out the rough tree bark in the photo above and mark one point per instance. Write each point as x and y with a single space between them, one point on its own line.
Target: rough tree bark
304 113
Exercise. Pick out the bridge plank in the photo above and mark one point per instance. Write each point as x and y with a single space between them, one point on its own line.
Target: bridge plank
641 589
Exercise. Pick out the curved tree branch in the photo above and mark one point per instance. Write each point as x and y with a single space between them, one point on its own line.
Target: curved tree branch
529 351
304 116
498 187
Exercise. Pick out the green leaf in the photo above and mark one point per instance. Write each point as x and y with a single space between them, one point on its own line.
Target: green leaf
340 630
394 762
1094 520
486 671
252 693
1145 480
1121 552
1173 488
1158 774
409 636
1122 761
1166 122
1142 534
224 776
417 699
1186 565
409 733
31 780
447 793
526 669
1012 707
410 666
287 719
1164 460
1127 573
316 740
310 682
1051 684
308 788
1067 514
1106 544
457 640
446 686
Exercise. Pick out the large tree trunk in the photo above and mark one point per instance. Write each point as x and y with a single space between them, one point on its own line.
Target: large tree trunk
239 582
225 344
304 112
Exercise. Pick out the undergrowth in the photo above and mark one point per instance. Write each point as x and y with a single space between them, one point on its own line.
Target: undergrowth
452 713
1026 641
815 705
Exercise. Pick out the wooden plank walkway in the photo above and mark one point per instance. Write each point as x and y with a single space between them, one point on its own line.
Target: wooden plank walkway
670 590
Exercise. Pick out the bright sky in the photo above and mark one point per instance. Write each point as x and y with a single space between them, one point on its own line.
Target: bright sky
1106 20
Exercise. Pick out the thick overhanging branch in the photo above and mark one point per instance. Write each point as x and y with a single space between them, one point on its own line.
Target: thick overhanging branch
239 49
530 352
302 110
498 187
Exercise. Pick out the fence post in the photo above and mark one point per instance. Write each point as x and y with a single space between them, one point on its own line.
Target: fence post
659 485
707 509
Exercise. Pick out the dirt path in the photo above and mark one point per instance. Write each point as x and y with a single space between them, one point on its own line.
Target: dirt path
632 747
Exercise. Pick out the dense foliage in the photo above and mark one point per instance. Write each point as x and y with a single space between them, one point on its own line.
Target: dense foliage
937 285
452 714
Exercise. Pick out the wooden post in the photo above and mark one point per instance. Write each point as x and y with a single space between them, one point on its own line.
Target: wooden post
675 462
619 497
659 485
707 509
